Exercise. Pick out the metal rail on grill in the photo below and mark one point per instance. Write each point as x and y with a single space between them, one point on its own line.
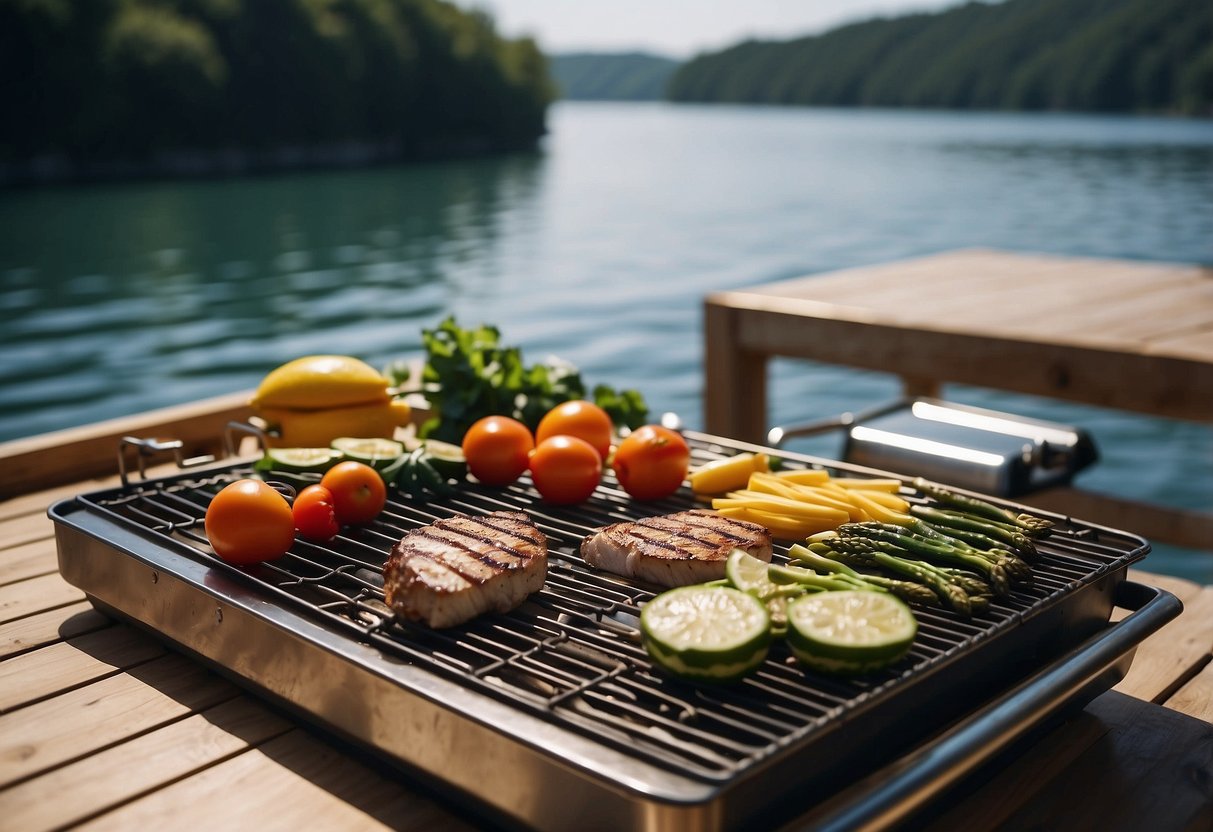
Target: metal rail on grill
571 655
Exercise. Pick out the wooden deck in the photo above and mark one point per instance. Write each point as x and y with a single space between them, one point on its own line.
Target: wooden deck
1131 336
102 727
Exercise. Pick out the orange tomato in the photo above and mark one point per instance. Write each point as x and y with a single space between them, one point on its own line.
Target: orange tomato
582 419
248 522
497 449
652 462
565 469
358 491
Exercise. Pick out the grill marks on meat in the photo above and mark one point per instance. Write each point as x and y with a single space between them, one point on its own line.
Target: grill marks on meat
688 547
460 567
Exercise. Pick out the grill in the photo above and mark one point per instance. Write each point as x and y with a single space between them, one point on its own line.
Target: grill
553 715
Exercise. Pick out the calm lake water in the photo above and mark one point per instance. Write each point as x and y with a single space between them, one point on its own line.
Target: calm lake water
599 249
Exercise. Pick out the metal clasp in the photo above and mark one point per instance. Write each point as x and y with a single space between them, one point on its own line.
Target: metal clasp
148 447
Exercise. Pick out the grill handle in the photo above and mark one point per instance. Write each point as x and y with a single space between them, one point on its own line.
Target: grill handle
894 793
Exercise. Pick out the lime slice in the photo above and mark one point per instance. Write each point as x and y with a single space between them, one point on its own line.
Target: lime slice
706 633
749 574
301 460
378 453
447 459
850 631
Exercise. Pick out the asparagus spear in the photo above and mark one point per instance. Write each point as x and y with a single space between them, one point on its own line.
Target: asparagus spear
954 523
906 590
993 570
876 553
1033 526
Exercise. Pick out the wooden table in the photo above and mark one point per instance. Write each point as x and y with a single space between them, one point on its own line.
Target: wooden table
102 727
1126 335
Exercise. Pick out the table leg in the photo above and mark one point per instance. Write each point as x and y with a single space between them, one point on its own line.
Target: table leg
735 380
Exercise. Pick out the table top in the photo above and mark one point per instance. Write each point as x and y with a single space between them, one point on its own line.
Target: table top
1129 335
102 727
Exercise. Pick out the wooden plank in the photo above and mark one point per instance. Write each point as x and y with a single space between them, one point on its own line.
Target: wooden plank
72 663
28 560
48 627
1140 383
35 595
27 528
290 783
1196 697
55 731
1173 655
78 454
109 778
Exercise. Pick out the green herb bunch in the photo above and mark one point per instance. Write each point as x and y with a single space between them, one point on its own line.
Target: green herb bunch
469 374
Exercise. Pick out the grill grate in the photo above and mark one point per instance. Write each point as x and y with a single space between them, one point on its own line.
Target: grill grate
571 655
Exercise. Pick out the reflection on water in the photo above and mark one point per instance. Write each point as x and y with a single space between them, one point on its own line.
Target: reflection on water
600 249
120 298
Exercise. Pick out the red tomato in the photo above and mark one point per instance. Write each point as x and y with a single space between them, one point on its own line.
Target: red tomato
248 522
358 491
582 419
315 516
565 469
497 449
652 462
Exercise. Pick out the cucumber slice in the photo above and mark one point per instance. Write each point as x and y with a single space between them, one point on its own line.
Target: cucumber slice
447 459
849 632
376 452
749 574
715 634
301 460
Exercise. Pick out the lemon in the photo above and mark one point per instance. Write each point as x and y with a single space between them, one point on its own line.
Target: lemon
317 382
706 633
849 632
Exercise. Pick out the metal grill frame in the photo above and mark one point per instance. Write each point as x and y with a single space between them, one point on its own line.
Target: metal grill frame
611 719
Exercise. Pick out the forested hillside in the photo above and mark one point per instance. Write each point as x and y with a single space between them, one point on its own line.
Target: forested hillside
632 76
136 79
1089 55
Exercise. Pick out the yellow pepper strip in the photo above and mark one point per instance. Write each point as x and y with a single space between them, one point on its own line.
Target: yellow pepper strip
889 485
721 475
880 513
887 500
770 484
781 526
779 505
804 476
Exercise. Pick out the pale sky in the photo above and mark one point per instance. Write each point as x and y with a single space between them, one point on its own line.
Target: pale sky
679 28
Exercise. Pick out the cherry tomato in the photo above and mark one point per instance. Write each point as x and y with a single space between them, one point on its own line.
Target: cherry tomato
358 491
565 469
497 449
582 419
314 514
652 462
248 522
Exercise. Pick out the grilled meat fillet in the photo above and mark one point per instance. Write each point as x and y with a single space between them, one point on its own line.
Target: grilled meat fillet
455 569
688 547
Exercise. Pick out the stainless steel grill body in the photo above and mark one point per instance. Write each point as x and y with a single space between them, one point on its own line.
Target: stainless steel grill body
553 715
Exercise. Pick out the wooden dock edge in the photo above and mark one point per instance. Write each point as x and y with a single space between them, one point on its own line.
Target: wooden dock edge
74 455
